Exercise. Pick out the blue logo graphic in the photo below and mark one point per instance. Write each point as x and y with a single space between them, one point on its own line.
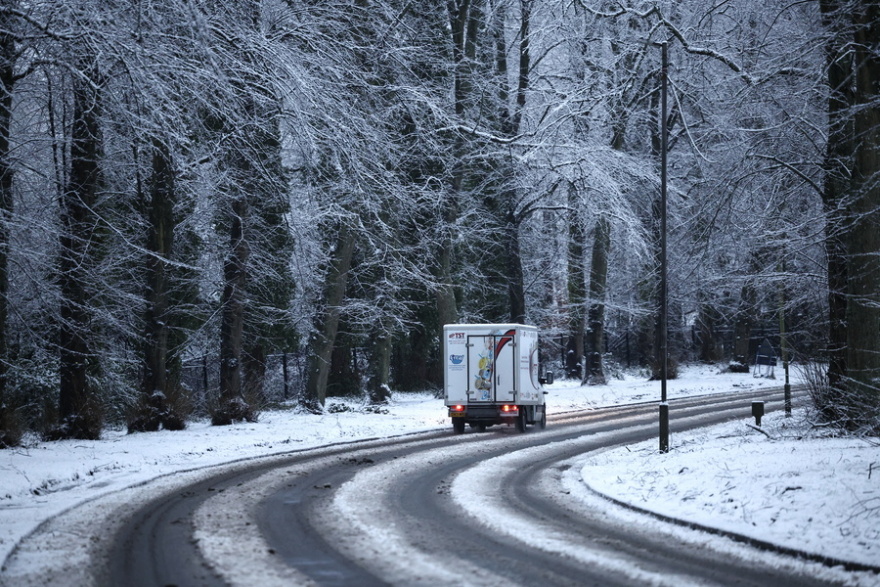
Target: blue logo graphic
456 359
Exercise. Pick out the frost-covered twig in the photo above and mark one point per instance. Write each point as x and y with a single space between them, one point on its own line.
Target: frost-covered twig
761 430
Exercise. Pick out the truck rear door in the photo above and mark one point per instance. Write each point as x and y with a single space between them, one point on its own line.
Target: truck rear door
491 363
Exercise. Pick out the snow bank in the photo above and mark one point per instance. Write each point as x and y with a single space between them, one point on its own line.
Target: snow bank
797 488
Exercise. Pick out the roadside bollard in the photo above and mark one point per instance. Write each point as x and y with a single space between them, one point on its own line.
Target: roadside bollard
757 412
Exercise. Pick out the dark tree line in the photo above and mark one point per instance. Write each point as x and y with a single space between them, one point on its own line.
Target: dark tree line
851 198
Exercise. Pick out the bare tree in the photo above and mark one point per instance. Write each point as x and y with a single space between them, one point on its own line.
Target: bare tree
79 409
8 78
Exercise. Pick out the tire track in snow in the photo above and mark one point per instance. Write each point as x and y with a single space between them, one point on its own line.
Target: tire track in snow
479 491
379 536
536 495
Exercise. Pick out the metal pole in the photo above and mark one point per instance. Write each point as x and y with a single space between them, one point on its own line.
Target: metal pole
205 375
664 354
286 377
783 347
787 390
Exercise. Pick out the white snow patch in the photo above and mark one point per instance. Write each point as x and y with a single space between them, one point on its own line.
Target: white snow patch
579 495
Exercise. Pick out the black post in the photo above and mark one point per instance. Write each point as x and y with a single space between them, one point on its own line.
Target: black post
787 392
205 374
757 411
286 378
783 346
664 351
664 427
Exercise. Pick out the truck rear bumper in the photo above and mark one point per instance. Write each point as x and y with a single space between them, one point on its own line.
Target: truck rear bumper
493 414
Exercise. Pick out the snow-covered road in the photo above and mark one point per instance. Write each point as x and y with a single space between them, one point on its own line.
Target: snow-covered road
422 510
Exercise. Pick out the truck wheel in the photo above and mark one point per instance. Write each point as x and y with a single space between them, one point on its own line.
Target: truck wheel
542 423
521 419
458 425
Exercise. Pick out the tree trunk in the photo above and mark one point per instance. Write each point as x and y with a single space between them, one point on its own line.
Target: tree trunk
344 378
516 279
254 372
524 66
379 364
447 307
596 317
7 83
863 236
78 410
659 345
232 406
378 382
654 289
459 13
742 330
837 165
256 284
327 324
462 26
577 293
154 384
710 350
267 328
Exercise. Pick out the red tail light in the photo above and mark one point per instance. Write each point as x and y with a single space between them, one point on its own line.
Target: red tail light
506 408
456 408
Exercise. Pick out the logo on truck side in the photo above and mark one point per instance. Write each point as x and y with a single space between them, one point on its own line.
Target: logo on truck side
456 359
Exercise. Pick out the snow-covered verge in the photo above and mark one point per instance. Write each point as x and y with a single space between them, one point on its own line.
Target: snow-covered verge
40 480
795 486
43 479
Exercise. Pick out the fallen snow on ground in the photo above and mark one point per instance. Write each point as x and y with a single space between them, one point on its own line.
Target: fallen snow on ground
43 479
794 486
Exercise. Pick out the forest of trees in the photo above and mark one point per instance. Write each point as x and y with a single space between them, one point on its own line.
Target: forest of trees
207 206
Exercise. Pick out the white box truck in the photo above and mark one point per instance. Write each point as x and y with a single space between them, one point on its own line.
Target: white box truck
491 375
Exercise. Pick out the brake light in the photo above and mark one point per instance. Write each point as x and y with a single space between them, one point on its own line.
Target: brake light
509 409
456 408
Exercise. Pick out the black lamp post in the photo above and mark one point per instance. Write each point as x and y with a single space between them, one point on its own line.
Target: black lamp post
664 305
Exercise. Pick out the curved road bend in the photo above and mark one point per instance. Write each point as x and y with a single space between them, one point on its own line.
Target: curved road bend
382 512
